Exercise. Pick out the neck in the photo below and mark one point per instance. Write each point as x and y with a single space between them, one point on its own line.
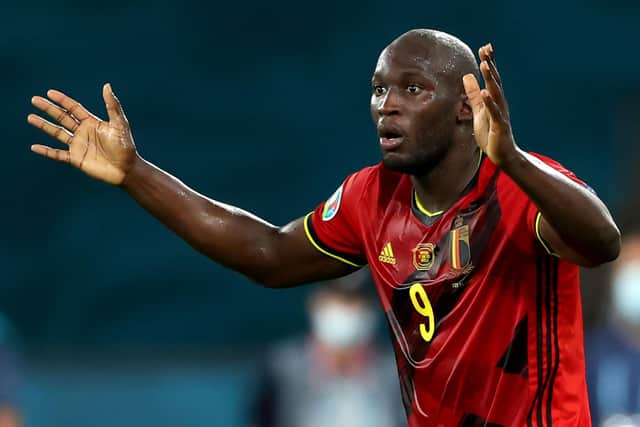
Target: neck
441 186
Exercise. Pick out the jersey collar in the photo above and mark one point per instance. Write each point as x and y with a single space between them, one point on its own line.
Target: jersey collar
429 218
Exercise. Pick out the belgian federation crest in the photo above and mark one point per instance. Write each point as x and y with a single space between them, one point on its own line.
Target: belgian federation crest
460 249
423 255
332 205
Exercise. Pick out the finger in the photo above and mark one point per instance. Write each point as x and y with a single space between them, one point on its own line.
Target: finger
114 108
481 54
485 54
493 65
58 132
494 72
492 85
70 104
472 89
52 153
495 113
61 115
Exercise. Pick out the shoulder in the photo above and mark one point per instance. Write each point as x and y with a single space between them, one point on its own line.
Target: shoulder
370 182
367 175
375 176
546 159
551 162
539 157
557 166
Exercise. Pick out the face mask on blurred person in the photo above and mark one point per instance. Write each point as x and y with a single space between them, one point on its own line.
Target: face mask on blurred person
626 292
341 326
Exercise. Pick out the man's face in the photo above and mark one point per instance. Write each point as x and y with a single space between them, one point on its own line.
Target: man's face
414 107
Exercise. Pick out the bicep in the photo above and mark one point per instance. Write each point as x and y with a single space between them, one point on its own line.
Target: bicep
299 260
554 245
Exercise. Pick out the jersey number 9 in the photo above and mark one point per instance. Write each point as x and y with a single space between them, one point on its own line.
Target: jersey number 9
421 303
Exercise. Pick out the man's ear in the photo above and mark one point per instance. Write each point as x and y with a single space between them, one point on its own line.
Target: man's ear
465 113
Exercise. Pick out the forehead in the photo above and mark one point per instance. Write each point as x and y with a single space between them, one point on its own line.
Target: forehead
407 58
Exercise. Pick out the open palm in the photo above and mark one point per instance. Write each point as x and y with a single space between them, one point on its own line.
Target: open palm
103 150
491 122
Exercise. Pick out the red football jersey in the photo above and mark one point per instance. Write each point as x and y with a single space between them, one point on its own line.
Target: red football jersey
486 323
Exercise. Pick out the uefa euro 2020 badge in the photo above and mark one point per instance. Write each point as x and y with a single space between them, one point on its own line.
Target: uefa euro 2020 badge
332 205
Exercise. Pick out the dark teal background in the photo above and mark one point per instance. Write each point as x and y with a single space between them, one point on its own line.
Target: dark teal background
263 105
259 104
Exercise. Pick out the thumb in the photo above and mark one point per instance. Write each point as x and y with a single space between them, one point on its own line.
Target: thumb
114 109
472 89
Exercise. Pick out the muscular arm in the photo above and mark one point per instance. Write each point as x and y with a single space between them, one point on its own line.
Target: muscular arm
273 256
575 222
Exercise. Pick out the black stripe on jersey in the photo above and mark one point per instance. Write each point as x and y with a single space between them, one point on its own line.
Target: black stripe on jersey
514 360
547 307
554 285
547 277
351 259
538 339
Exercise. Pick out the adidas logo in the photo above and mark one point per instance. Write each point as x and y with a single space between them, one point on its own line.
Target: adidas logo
386 255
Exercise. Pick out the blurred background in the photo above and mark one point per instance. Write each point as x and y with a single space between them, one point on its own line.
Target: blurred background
110 320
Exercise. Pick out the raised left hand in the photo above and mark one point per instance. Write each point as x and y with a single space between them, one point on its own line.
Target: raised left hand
491 123
101 149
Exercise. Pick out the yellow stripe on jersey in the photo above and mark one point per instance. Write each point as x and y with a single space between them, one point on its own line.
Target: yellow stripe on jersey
539 236
307 218
422 208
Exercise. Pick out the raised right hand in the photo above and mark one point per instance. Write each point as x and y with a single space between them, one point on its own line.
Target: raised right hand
103 150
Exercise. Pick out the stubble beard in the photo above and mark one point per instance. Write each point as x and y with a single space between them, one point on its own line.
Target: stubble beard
417 164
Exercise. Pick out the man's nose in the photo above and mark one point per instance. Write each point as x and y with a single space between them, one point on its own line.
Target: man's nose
389 104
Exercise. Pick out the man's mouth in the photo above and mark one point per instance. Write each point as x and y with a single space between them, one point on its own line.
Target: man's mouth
390 140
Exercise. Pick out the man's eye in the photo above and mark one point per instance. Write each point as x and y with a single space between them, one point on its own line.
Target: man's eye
413 89
379 90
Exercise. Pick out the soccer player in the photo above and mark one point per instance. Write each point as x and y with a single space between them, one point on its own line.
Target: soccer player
473 243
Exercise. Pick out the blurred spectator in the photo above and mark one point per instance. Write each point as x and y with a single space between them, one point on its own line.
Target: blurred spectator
613 351
338 375
9 415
